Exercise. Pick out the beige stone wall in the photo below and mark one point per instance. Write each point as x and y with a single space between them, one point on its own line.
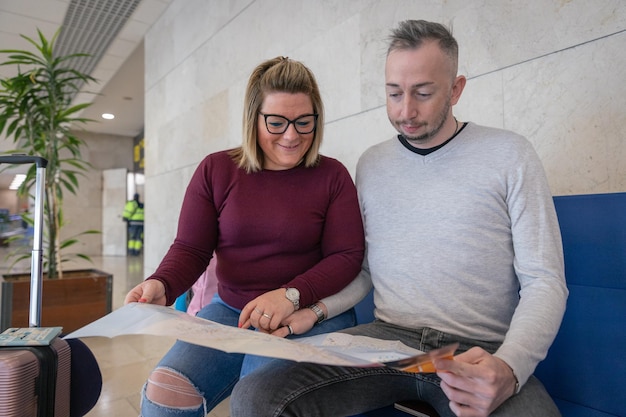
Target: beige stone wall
551 70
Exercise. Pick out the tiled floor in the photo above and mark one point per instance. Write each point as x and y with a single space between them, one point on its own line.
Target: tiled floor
126 361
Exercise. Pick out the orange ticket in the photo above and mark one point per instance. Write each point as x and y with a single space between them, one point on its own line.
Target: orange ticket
424 362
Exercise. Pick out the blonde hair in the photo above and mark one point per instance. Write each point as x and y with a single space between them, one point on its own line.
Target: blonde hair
282 75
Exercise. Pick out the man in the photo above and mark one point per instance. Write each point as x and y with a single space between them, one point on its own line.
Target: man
133 215
463 245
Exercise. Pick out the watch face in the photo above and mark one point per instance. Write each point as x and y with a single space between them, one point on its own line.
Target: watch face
293 294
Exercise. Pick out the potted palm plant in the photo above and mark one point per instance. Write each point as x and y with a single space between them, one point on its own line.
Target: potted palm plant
37 113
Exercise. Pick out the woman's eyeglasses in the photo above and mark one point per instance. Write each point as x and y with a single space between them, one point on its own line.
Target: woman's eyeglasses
277 124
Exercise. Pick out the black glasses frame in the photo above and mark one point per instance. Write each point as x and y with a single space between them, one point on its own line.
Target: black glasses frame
290 122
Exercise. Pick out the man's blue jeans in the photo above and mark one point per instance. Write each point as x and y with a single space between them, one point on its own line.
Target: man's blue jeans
302 389
214 373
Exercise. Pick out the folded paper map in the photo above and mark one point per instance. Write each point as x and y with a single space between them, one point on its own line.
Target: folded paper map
329 349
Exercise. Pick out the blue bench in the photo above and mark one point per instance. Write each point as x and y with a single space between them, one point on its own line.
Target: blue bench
585 371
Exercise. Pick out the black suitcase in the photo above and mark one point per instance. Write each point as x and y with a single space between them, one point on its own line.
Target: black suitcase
35 380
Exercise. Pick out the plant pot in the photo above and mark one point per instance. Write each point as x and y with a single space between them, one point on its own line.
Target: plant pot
79 298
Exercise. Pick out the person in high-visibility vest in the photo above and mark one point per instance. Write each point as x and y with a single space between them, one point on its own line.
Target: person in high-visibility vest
133 214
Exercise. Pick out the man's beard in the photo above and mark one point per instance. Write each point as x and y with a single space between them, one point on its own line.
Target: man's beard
425 137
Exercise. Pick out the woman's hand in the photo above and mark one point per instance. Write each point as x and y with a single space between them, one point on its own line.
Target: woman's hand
267 311
299 322
151 291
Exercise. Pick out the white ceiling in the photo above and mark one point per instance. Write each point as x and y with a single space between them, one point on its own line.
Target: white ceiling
120 72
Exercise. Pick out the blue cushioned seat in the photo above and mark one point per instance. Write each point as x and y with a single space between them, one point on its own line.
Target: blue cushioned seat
585 371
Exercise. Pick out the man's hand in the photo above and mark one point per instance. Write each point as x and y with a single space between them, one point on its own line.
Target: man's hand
476 382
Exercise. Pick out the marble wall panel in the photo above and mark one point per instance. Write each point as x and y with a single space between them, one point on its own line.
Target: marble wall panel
494 34
323 55
154 109
180 90
549 69
180 140
159 46
616 151
571 107
348 138
482 101
164 196
216 124
236 94
185 27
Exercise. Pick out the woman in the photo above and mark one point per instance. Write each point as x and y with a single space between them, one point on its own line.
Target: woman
285 224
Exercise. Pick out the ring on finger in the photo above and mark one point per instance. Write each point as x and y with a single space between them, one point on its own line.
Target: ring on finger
267 315
258 311
290 329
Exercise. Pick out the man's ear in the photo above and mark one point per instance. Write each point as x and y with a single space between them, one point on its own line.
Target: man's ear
457 88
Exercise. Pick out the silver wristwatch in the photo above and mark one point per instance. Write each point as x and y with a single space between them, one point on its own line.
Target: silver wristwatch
293 295
318 312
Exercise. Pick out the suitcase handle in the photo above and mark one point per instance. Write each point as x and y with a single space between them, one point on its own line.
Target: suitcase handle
19 159
36 274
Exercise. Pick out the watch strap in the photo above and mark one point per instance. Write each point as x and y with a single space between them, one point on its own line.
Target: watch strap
318 312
